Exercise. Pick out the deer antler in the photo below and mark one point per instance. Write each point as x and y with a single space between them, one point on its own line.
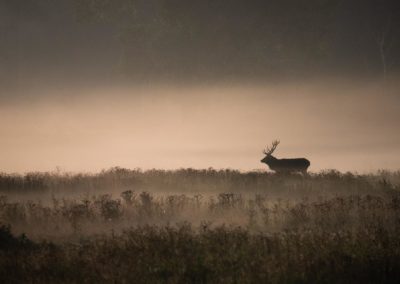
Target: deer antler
268 150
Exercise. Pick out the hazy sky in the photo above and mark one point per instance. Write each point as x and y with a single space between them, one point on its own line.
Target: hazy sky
343 126
67 97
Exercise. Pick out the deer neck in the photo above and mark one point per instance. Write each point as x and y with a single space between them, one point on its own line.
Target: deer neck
272 158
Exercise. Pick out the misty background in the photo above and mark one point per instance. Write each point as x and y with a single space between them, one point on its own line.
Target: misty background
90 84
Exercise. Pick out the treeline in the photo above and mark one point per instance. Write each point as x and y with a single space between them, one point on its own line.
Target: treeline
201 39
238 38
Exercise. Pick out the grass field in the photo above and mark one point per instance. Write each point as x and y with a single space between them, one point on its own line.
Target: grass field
201 226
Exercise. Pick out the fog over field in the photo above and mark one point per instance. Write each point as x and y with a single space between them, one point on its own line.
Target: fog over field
343 125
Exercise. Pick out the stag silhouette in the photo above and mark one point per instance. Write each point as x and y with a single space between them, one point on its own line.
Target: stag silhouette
284 165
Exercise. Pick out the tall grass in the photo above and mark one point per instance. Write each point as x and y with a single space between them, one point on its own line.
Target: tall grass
201 226
191 180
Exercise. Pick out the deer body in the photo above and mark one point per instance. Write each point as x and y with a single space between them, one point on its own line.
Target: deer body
284 165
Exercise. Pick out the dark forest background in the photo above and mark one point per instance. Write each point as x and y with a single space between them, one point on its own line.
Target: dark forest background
199 39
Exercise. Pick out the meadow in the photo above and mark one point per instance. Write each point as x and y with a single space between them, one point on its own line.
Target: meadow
199 226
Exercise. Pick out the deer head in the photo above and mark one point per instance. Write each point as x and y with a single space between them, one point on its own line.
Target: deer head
268 152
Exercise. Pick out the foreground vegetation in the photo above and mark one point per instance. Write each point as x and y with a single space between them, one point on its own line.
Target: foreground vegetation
187 226
219 255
